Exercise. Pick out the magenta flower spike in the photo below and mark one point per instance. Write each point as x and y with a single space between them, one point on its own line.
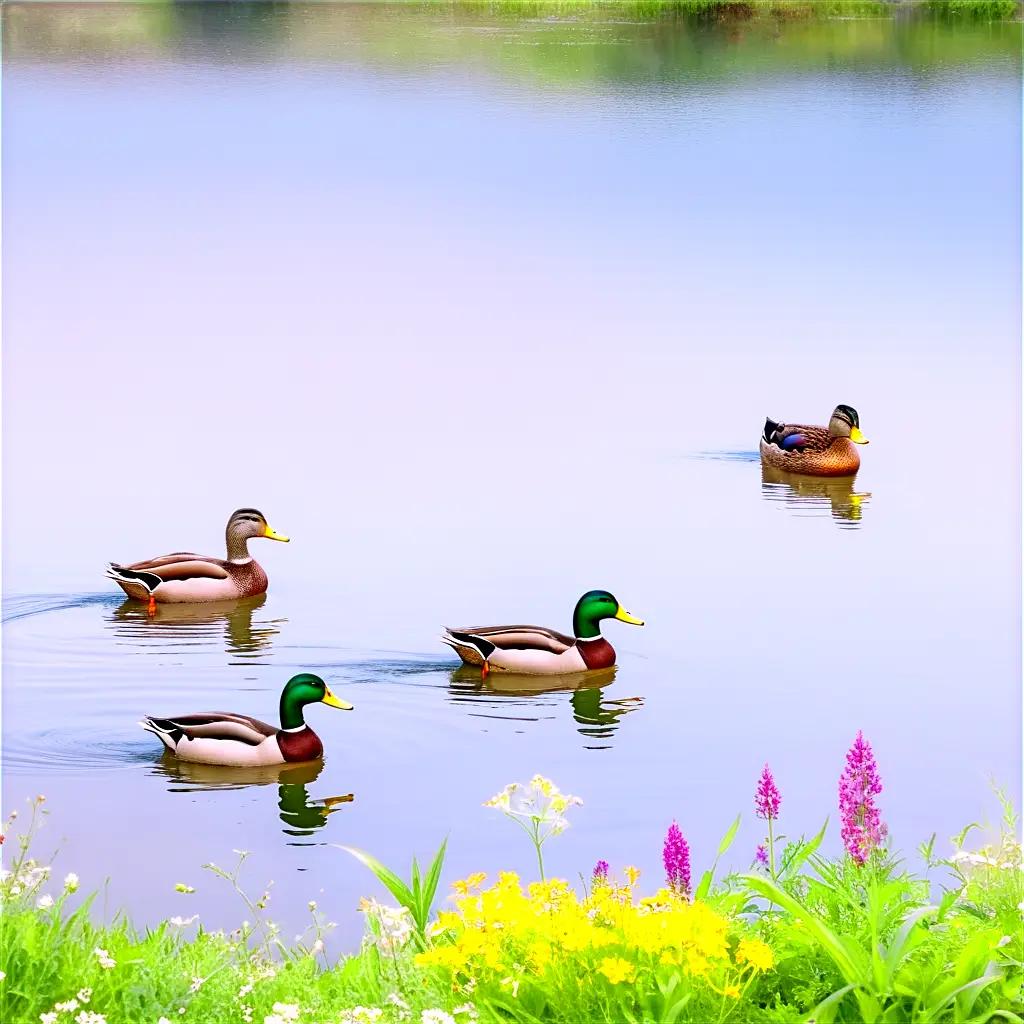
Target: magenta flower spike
761 857
767 799
600 871
862 827
676 858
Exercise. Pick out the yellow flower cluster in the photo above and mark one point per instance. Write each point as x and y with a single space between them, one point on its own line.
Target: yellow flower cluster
505 933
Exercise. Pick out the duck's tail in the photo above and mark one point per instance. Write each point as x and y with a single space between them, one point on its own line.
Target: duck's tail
168 732
126 578
770 426
473 650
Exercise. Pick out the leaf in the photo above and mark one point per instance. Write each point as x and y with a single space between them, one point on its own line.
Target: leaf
825 1011
704 885
385 876
845 958
729 836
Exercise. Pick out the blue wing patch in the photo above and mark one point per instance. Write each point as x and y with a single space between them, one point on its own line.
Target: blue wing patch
793 441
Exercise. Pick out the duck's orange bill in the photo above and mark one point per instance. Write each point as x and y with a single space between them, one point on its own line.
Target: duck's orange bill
857 437
623 616
272 534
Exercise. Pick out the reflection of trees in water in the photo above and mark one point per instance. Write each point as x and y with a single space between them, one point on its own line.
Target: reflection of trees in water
186 623
300 814
595 716
836 494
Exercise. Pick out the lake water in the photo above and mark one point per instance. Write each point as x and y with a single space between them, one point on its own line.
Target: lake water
484 313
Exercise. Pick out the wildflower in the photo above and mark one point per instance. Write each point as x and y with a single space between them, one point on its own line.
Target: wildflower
436 1017
48 1018
317 948
756 953
467 1009
70 882
287 1012
466 885
181 922
676 858
632 875
392 926
163 1020
761 857
68 1007
732 991
767 799
541 801
616 970
312 905
44 902
84 995
600 873
182 887
88 1017
105 959
197 984
862 827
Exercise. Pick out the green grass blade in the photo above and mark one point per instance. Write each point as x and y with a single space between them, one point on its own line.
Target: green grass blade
729 836
385 876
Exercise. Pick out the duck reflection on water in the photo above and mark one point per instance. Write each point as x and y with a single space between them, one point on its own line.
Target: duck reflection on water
300 814
596 716
815 495
192 623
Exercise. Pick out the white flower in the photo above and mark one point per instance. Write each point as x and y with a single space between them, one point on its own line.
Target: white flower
88 1017
84 995
541 801
317 948
44 902
69 1007
181 922
48 1018
197 984
392 926
70 882
163 1020
105 959
311 904
245 990
283 1012
182 887
436 1017
466 1008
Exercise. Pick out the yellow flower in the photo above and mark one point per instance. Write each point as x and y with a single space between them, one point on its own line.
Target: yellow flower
732 991
632 874
474 881
756 953
617 970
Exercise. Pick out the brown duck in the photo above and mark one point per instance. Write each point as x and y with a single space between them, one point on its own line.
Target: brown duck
816 451
185 577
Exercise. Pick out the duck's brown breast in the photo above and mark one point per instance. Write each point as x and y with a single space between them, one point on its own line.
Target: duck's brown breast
304 745
596 653
248 577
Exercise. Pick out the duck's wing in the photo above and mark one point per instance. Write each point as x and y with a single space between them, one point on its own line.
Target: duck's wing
797 437
482 640
183 565
210 725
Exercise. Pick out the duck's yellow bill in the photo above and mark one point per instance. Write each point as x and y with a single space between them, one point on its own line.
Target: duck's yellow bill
857 437
271 534
623 616
336 702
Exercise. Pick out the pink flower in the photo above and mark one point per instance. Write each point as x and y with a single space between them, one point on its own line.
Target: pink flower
862 827
600 873
676 858
761 857
767 799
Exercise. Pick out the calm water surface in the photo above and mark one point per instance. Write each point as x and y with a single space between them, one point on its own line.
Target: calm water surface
485 315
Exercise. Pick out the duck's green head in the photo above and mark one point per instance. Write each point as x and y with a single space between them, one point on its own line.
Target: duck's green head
303 689
594 606
846 423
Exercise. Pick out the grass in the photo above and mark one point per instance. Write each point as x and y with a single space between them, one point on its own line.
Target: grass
812 938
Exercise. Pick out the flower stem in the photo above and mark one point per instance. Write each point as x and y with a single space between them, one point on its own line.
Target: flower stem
771 849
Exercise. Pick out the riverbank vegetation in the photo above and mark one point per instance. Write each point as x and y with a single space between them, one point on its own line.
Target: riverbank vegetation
798 936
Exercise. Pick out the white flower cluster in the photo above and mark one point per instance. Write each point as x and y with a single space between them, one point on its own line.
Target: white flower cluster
539 801
390 929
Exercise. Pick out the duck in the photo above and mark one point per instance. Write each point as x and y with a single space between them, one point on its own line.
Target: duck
538 651
815 451
238 741
187 578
